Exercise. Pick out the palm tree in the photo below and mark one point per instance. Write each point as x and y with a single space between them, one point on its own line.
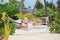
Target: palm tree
58 6
46 11
52 4
21 6
14 3
38 5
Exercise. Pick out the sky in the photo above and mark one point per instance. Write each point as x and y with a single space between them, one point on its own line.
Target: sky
31 3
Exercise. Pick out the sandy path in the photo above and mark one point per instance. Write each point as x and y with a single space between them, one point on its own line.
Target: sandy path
40 32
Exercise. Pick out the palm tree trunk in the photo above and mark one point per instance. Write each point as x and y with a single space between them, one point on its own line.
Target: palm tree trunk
58 3
46 11
52 4
21 6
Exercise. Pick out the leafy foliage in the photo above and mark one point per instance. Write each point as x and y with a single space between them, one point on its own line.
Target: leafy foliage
38 5
1 31
50 5
58 3
22 16
9 10
40 12
55 25
54 18
13 28
51 15
4 26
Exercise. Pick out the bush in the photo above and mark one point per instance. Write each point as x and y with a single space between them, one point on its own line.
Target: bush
41 13
1 31
2 25
11 25
11 11
22 16
54 18
13 28
51 15
55 24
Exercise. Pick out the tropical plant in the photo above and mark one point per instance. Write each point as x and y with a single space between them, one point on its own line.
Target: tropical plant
51 15
11 11
55 24
38 5
58 3
22 16
40 12
46 10
21 6
5 29
50 5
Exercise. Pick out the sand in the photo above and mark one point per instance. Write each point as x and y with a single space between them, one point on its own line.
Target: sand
39 32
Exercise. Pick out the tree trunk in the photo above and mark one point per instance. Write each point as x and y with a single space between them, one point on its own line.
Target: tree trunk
46 11
58 6
52 4
21 6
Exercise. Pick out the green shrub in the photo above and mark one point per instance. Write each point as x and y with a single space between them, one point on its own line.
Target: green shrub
40 12
13 28
55 24
22 16
51 15
11 25
54 18
1 31
11 11
2 27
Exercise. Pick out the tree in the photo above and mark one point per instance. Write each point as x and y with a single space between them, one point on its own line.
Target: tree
14 3
52 3
58 3
46 11
21 6
52 6
11 11
38 5
47 3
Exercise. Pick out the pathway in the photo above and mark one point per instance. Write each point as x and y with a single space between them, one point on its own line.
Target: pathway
40 32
